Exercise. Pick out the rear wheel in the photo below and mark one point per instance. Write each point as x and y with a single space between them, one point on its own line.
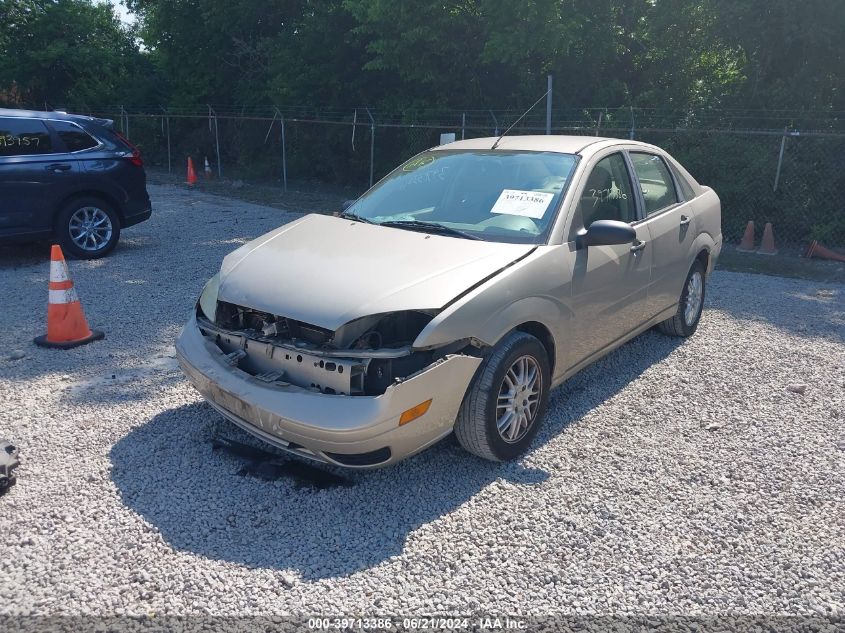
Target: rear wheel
690 306
507 398
87 228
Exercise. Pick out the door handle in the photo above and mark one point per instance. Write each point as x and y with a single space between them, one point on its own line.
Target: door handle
58 167
684 220
638 246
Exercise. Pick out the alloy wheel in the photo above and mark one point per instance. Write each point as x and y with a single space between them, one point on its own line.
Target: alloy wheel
695 290
90 228
518 399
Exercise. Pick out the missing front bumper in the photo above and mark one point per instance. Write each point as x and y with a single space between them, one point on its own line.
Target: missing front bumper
323 424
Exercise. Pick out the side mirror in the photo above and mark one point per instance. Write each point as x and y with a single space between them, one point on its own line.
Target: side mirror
607 232
347 204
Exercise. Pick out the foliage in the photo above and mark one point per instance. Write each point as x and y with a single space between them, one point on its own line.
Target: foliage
753 59
56 52
429 53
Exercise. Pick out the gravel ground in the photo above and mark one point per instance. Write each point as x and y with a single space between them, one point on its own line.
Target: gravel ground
670 477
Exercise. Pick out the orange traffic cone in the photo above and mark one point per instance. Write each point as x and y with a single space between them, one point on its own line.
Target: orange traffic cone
767 246
747 243
817 250
66 324
192 175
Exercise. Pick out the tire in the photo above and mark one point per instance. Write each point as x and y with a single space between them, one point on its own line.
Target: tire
684 324
87 228
476 427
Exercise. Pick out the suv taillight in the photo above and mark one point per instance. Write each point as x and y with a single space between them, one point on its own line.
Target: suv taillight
135 156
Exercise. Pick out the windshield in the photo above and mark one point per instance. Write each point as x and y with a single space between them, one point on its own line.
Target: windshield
499 196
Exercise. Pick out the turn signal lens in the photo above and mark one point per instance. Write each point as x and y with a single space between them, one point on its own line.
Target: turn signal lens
414 412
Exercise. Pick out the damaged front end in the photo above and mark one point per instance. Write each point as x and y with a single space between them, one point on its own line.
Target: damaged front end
361 358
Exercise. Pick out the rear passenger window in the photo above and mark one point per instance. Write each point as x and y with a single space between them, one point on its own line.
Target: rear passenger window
686 188
73 136
655 181
23 137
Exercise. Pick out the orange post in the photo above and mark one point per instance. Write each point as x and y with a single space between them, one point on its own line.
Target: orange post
192 174
767 246
66 324
747 243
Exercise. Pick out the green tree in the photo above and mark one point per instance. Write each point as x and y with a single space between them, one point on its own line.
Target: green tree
794 52
694 55
212 51
67 51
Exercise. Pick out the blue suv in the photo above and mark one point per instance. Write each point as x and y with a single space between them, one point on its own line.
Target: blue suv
70 178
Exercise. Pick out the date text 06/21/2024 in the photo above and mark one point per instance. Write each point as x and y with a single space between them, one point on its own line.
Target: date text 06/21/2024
418 623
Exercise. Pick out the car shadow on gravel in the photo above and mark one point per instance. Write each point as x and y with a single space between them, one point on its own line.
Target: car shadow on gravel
809 309
24 255
167 472
199 499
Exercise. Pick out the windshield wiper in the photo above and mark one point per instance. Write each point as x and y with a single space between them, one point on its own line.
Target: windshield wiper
429 227
357 218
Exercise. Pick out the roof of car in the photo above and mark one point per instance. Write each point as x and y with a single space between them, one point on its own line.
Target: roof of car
49 114
537 143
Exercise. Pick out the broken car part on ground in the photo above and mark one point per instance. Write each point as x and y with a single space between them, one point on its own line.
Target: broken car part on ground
8 462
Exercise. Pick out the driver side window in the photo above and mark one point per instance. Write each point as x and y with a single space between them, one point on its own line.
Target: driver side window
608 194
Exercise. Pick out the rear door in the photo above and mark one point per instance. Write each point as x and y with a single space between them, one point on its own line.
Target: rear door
609 283
670 219
35 175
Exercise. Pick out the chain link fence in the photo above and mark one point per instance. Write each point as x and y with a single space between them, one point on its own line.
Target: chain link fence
792 179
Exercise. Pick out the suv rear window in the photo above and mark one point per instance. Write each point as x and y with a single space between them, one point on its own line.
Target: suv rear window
74 137
23 137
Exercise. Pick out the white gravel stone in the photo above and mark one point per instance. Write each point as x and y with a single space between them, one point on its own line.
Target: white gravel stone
627 503
799 389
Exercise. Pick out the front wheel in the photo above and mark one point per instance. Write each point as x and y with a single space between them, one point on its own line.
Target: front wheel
87 228
501 411
690 306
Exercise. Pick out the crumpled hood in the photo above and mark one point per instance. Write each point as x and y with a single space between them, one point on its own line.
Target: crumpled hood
328 271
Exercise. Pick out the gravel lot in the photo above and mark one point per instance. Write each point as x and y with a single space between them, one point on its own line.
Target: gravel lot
669 478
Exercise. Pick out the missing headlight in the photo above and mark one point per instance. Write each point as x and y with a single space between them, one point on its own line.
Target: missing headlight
393 329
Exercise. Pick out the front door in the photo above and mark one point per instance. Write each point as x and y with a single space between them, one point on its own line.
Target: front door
609 283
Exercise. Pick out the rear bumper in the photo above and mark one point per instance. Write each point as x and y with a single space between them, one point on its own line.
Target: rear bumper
137 211
351 431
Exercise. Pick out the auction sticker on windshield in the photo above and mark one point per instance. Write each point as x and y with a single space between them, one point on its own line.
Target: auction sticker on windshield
531 204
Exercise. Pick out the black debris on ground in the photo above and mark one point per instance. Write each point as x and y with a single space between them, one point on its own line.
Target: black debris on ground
270 466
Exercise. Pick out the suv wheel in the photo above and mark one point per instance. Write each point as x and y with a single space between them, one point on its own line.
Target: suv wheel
502 409
690 306
87 228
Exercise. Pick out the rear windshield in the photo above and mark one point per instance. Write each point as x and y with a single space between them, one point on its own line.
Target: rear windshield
494 195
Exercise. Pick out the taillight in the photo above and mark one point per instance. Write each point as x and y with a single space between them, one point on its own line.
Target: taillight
135 156
136 159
